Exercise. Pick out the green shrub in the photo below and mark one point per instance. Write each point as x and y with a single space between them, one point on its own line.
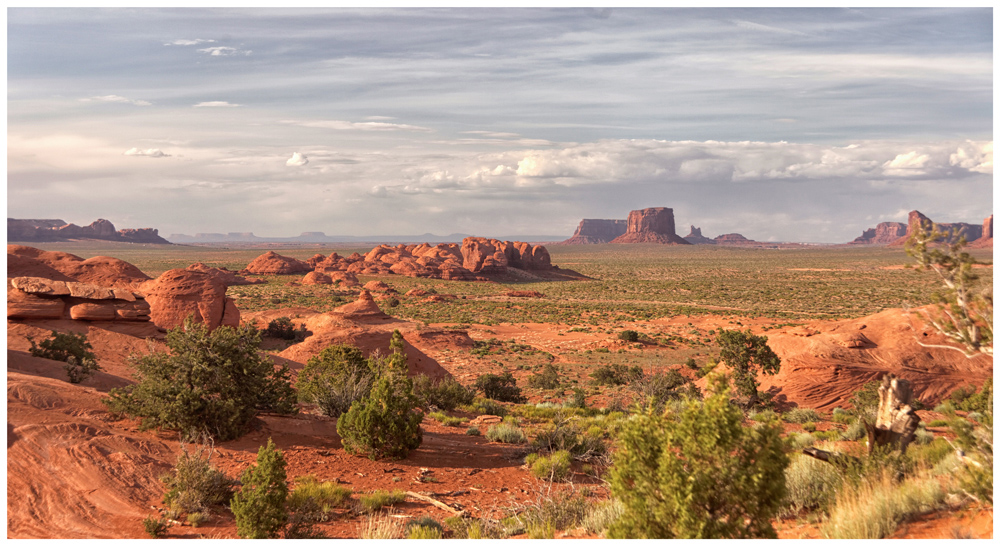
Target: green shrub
922 436
601 515
980 402
500 387
865 400
615 374
762 416
579 399
194 485
812 485
424 527
506 434
628 335
379 499
801 441
699 474
73 349
691 364
855 431
155 527
210 382
385 423
548 378
196 519
445 393
485 406
747 355
809 427
554 467
381 526
842 417
938 423
546 514
656 389
336 378
801 415
929 453
282 328
259 506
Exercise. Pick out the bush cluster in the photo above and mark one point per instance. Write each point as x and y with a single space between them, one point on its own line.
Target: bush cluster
548 378
336 378
445 393
383 424
553 467
282 328
195 485
259 507
615 374
502 388
210 382
73 349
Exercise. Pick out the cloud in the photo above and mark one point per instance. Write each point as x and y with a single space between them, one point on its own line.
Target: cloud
766 28
908 164
189 42
975 157
118 99
216 104
338 125
379 118
150 152
297 160
224 51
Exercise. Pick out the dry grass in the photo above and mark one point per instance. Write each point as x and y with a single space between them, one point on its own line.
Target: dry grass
381 526
874 508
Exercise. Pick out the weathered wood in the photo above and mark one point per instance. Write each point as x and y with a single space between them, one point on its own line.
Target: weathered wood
437 503
832 457
896 422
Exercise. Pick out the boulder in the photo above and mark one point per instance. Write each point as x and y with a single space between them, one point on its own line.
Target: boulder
40 286
652 225
316 278
592 231
21 305
178 293
272 263
93 311
89 291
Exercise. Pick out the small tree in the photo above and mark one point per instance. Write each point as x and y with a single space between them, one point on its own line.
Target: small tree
259 506
194 484
964 314
73 349
335 378
500 387
698 474
211 382
747 355
384 424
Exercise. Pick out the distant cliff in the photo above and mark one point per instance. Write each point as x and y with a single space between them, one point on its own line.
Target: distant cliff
19 230
597 231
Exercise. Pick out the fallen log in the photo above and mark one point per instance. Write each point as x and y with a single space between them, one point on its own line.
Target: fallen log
437 503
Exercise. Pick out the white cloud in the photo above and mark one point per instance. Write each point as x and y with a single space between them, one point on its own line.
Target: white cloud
150 152
379 118
216 104
339 125
297 160
908 164
189 42
224 51
118 99
975 157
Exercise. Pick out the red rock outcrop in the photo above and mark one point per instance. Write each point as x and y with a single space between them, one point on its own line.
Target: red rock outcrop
986 240
363 310
272 263
37 298
26 261
313 277
591 231
882 234
652 225
971 232
696 238
223 274
178 293
55 230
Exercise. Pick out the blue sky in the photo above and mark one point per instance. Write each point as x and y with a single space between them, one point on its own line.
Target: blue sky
780 124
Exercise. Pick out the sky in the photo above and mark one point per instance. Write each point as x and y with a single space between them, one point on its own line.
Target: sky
805 125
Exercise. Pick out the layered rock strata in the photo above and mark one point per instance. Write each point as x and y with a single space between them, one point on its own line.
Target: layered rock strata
652 225
592 231
58 230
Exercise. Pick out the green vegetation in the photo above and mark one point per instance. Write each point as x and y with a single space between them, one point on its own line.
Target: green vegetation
259 506
209 383
380 498
615 374
548 378
315 498
628 335
506 434
195 485
865 400
155 527
336 378
873 509
282 328
553 467
445 393
502 388
699 473
801 415
747 355
384 424
73 349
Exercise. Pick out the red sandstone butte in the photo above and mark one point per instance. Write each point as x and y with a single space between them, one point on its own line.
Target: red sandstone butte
652 225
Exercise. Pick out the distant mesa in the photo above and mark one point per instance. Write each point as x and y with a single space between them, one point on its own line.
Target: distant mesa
882 234
986 240
696 238
591 232
477 258
57 230
652 225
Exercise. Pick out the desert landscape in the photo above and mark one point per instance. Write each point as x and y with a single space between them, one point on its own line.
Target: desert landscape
499 273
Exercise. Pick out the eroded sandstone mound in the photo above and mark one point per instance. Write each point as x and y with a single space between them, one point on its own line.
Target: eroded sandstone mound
178 293
474 259
652 225
591 231
58 230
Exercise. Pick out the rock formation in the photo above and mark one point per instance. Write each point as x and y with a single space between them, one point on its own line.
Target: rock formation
597 231
230 278
178 293
986 240
272 263
314 277
734 239
696 238
475 257
971 232
57 230
882 234
37 298
652 225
